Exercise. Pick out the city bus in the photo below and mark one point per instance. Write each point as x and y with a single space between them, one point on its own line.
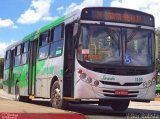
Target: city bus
101 55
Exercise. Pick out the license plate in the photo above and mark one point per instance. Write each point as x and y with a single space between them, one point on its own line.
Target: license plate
121 92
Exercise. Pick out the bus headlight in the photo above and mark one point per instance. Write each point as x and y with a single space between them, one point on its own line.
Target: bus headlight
82 76
89 80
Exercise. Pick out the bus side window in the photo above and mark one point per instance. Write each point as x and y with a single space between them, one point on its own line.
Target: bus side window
58 33
56 47
44 38
7 61
25 48
44 45
18 50
17 58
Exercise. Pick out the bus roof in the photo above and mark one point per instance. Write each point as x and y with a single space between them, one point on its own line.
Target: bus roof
66 18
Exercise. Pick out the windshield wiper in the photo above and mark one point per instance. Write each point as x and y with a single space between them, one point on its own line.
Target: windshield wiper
132 35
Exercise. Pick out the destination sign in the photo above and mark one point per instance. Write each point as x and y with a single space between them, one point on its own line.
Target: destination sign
119 15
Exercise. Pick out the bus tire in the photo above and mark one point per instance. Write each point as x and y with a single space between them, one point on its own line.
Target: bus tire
17 93
120 105
18 97
56 100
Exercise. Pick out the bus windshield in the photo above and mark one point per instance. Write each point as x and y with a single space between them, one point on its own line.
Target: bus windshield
114 45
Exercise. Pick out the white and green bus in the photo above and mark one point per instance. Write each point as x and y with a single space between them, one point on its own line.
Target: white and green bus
97 53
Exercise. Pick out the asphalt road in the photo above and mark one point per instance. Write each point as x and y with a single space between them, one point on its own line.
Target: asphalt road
136 110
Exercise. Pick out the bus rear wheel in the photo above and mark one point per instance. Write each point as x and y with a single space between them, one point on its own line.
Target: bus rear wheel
56 100
120 105
17 92
18 97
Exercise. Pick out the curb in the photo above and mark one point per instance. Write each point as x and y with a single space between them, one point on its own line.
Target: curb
5 95
156 99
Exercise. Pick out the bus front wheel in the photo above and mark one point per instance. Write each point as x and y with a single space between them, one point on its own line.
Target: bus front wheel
120 105
56 100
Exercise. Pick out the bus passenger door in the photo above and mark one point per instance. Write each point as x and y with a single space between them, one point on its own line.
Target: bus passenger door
68 82
32 67
11 80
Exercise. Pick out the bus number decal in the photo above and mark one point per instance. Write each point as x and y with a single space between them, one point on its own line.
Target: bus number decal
138 79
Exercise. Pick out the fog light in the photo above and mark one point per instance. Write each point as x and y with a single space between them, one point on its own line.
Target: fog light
96 83
89 80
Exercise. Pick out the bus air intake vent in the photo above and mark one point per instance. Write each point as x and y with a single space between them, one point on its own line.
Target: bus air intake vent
111 91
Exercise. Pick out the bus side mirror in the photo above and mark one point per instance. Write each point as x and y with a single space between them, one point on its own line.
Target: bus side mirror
75 29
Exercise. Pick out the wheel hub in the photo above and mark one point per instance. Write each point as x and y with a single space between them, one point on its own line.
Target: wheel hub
56 96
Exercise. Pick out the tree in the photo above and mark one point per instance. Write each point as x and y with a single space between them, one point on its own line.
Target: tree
1 67
157 31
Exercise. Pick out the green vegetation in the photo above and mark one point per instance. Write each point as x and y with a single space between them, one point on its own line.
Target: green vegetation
158 62
158 49
1 67
158 39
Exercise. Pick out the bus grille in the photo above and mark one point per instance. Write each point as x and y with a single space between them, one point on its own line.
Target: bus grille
118 84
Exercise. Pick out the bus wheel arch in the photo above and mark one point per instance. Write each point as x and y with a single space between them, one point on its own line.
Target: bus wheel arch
18 96
17 91
17 81
54 79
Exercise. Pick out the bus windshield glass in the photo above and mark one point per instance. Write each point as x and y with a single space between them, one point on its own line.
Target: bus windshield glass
114 45
138 47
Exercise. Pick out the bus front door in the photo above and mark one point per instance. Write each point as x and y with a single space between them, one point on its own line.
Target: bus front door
68 82
32 67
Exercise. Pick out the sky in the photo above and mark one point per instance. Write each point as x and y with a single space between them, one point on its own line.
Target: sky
21 17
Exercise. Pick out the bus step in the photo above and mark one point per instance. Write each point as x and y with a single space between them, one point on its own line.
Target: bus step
68 98
31 97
